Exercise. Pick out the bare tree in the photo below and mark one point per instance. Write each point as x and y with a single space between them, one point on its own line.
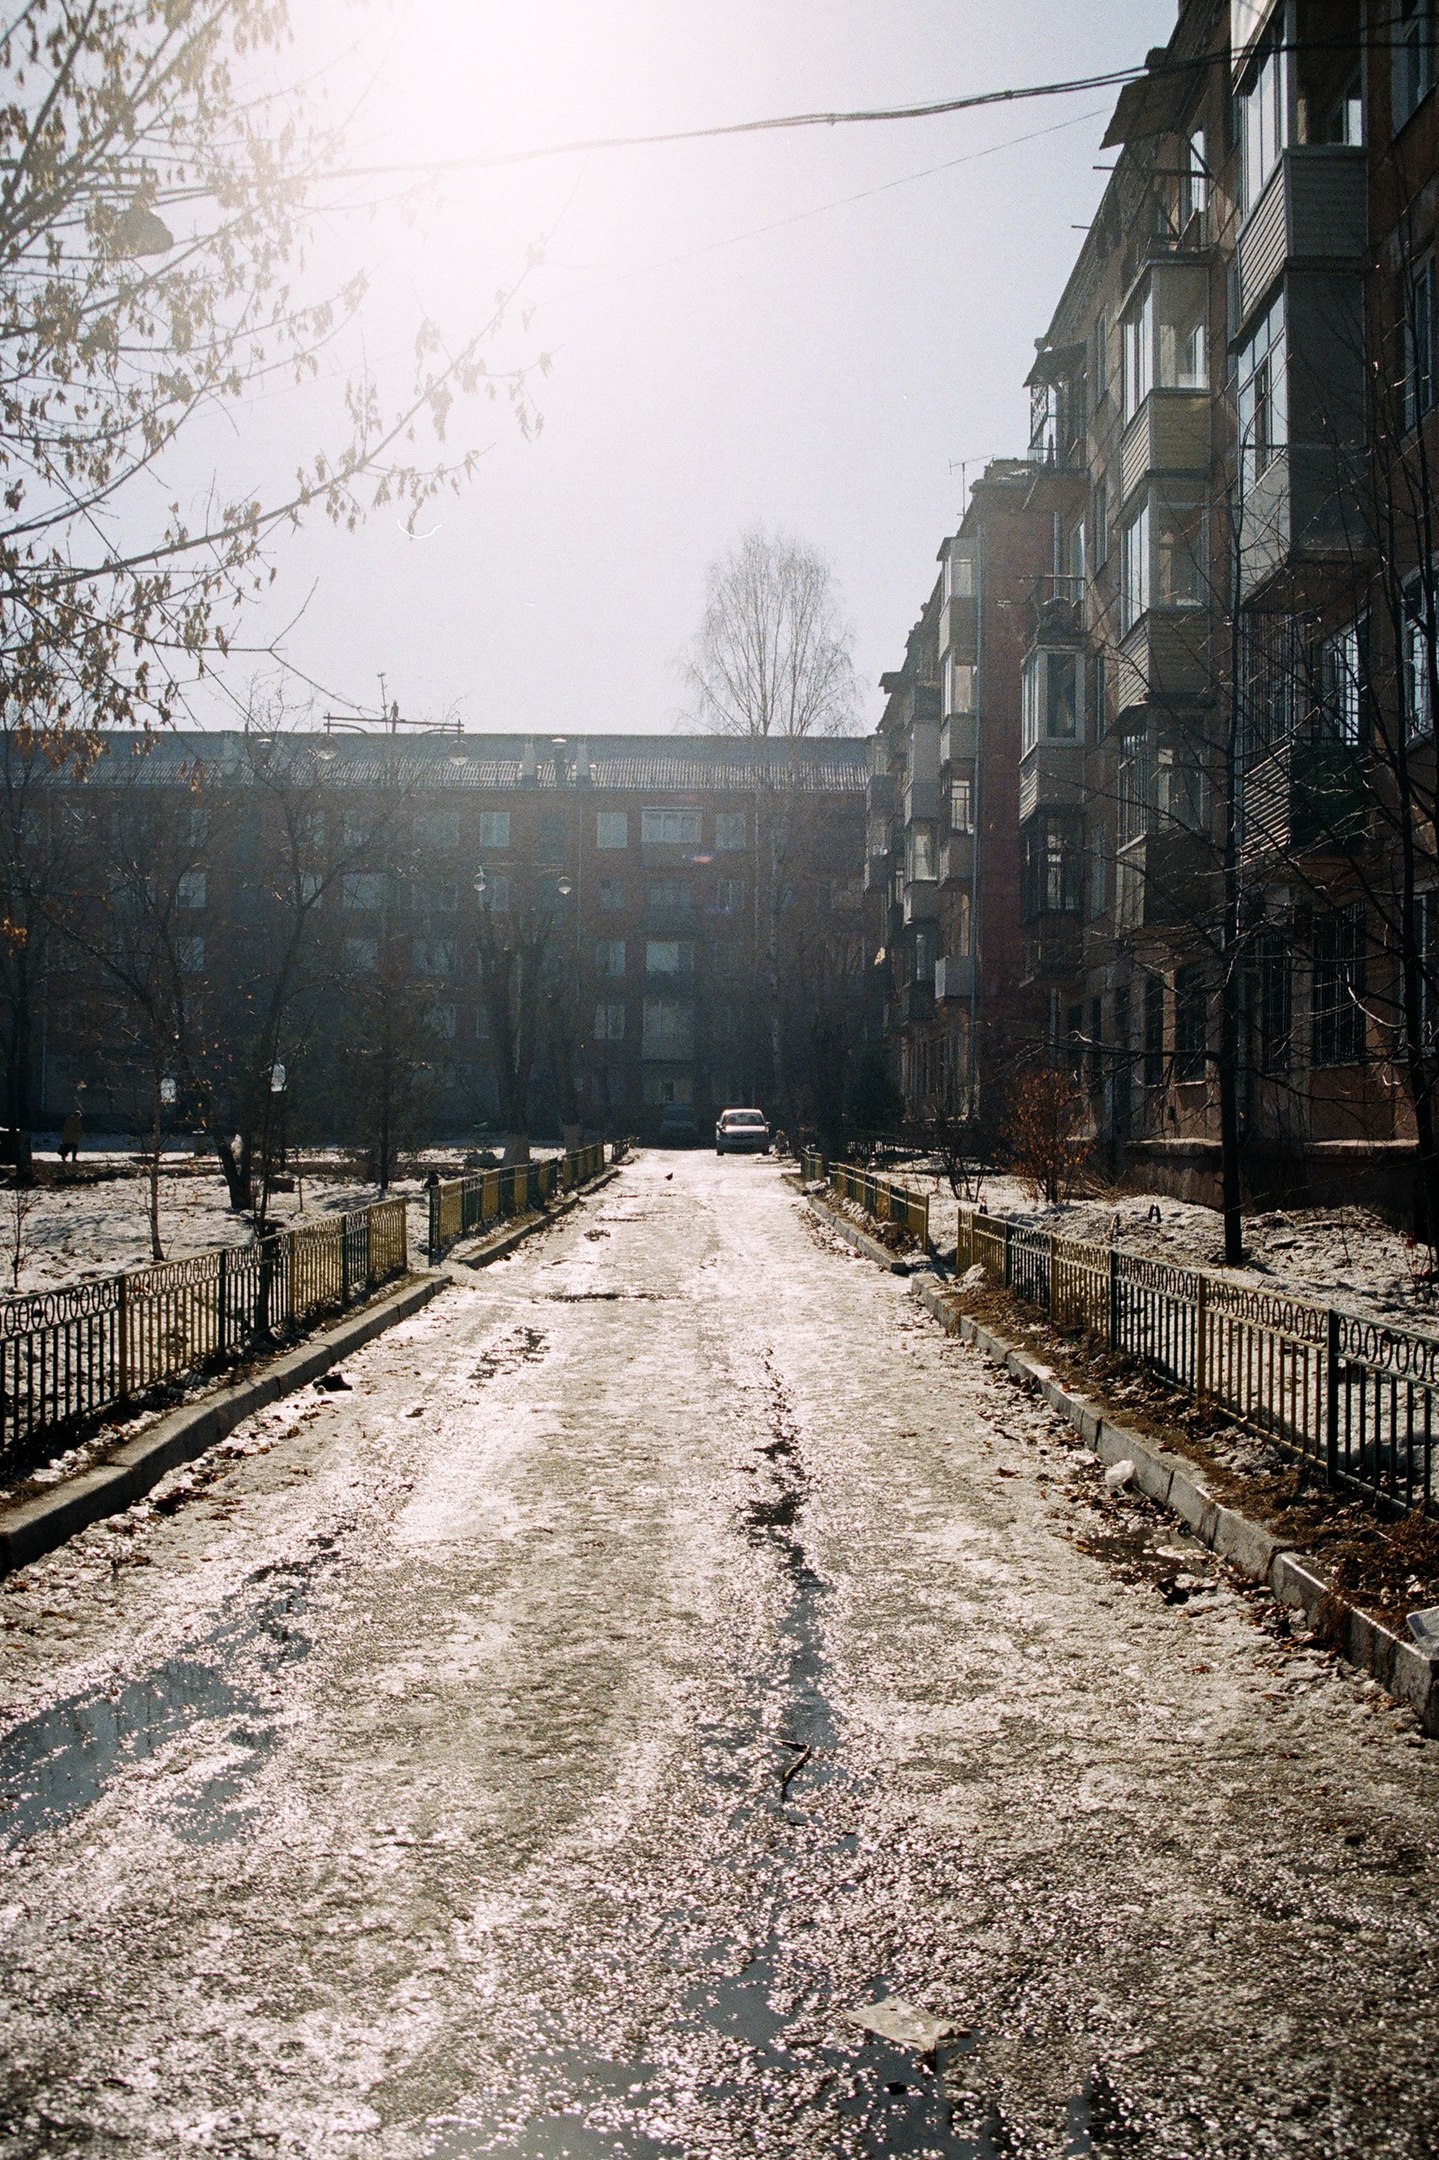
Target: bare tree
518 920
772 655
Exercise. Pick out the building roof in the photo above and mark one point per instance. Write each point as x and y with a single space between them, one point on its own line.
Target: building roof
661 764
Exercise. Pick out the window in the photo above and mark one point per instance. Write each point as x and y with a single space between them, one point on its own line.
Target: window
669 896
669 1028
1054 865
1134 596
495 899
962 934
1413 35
445 1021
960 571
1099 521
610 958
191 891
961 805
1339 985
1180 556
612 829
1263 397
669 956
614 896
1134 777
445 899
363 890
729 896
609 1023
1137 354
1191 1023
1416 337
1417 657
1053 695
921 853
1098 873
1263 117
1181 790
670 828
440 829
362 955
1101 356
190 952
731 831
1077 564
1194 180
961 686
1154 1031
433 956
1341 685
663 1088
1273 1001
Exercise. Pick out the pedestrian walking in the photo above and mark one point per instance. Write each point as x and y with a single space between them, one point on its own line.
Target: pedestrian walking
71 1134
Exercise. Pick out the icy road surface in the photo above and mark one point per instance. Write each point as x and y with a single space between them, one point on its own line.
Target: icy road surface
671 1643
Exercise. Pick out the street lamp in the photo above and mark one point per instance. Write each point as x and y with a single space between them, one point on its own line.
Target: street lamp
565 887
480 881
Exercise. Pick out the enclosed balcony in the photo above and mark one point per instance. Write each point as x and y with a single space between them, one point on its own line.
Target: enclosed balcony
1314 210
954 977
1309 796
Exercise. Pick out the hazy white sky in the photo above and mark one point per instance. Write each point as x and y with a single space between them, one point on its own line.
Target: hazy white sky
825 375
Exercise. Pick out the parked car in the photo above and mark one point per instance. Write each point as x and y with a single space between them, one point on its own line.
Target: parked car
679 1127
742 1132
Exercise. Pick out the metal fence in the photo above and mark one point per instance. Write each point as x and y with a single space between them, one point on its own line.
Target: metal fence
1351 1398
67 1356
459 1207
811 1166
884 1200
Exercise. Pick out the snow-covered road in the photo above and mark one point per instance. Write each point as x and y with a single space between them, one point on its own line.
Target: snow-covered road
670 1642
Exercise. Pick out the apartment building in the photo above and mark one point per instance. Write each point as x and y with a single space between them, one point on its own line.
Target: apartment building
942 868
652 898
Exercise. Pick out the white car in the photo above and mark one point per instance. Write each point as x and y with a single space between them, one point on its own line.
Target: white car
742 1132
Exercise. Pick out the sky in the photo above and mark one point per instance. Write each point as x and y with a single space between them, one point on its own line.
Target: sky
816 332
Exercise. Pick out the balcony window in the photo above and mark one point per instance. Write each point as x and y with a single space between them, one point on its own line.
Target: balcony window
1417 656
610 959
729 896
1194 179
1053 695
495 899
1181 567
669 896
1264 116
1416 341
1342 671
1136 580
1412 31
961 805
959 576
191 891
612 829
1191 1023
1339 986
1181 790
669 1029
494 828
731 831
1263 396
614 896
669 956
1054 865
1137 354
670 828
921 854
1134 787
1099 523
609 1022
961 687
962 934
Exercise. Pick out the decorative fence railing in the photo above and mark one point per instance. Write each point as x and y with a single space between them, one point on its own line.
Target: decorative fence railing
1350 1398
461 1206
67 1356
811 1166
884 1200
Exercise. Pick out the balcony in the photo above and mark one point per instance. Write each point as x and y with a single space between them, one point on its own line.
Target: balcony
921 800
1163 657
1056 610
959 629
881 794
1160 879
1054 949
1168 436
1310 796
959 740
954 977
1051 775
956 859
921 900
916 1002
1315 210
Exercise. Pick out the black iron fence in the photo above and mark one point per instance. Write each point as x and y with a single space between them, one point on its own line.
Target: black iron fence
461 1207
69 1355
1352 1399
883 1199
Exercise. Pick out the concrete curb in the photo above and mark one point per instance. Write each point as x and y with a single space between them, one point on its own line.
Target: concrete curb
497 1247
1176 1483
870 1247
35 1527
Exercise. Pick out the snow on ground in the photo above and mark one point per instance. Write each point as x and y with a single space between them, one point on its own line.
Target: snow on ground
1346 1256
72 1233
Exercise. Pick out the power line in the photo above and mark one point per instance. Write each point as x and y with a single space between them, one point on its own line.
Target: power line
1115 79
